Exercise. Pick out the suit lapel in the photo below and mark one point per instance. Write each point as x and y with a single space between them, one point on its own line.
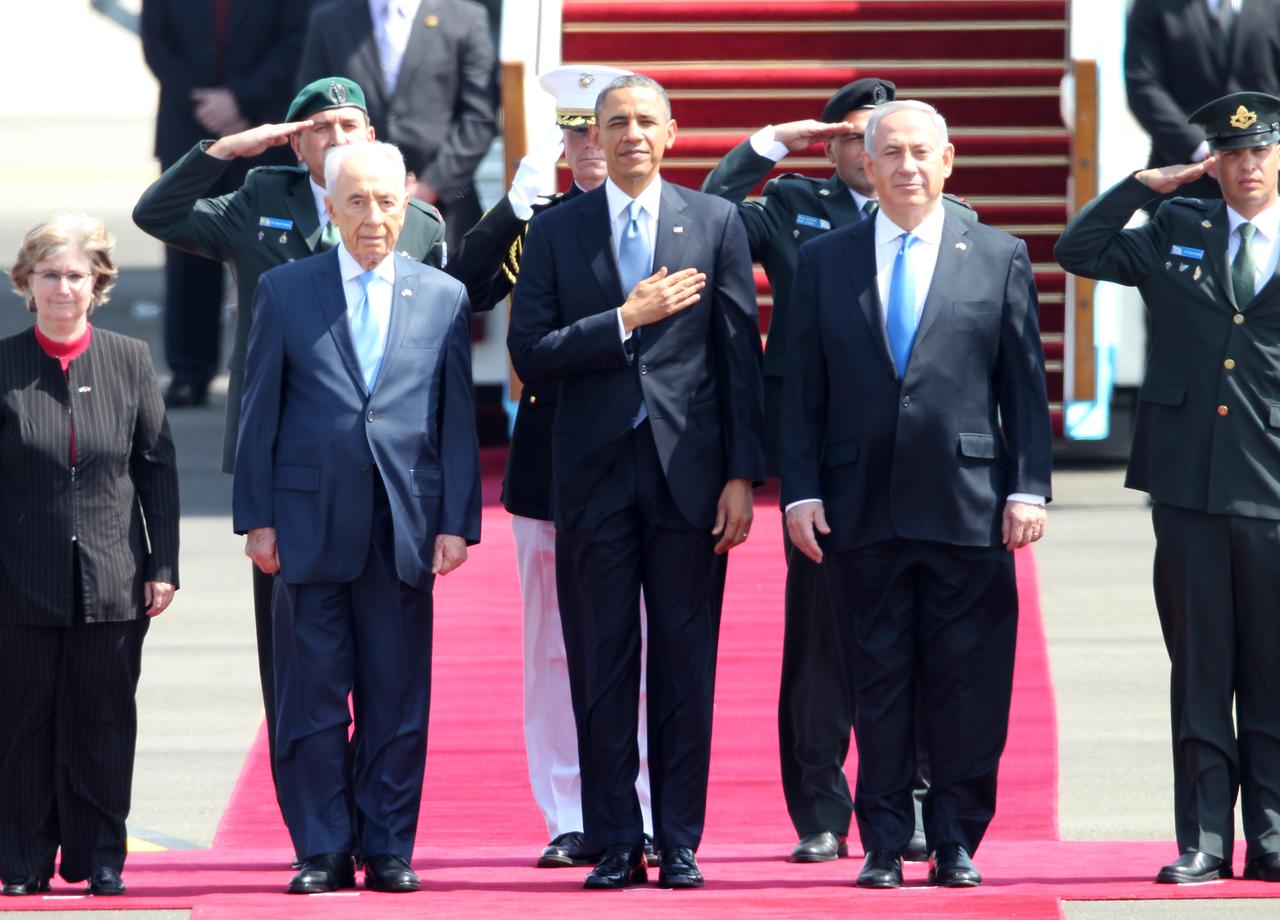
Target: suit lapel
953 251
596 235
333 304
669 246
422 45
841 209
1216 254
302 208
862 278
404 298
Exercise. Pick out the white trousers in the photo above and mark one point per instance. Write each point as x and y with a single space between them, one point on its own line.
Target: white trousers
550 736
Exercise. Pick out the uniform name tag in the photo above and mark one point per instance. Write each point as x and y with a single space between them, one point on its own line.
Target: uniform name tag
1187 252
276 223
818 223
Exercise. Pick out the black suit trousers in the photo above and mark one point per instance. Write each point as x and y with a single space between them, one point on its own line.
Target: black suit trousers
1216 584
938 620
632 537
67 745
370 639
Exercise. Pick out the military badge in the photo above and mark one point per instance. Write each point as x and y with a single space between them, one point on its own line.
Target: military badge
586 79
337 93
1243 118
879 95
1206 225
1195 275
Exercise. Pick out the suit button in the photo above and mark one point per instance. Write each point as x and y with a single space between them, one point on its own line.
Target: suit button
1238 319
364 467
644 368
1229 364
906 401
1223 410
370 415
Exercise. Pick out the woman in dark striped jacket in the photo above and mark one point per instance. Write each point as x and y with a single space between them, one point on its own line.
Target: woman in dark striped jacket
88 553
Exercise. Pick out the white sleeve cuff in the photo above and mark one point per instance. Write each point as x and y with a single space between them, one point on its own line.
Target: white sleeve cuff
803 501
1027 498
1200 152
764 144
622 330
520 205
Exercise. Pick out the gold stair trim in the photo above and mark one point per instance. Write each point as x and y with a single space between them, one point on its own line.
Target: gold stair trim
832 25
867 66
976 92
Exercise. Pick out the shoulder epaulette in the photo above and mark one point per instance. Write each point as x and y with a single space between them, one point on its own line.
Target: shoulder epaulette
427 208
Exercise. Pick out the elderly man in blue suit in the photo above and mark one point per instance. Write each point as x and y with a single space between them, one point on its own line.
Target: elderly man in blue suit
357 480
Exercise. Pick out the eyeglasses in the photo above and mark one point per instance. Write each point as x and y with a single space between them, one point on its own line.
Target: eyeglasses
75 280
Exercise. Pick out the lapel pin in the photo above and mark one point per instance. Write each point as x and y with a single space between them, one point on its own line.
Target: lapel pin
824 192
84 389
1206 225
431 21
962 246
677 229
262 235
795 233
406 293
1195 275
1168 265
405 253
284 237
1183 266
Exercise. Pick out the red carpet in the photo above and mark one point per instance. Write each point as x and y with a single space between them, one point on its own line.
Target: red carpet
480 829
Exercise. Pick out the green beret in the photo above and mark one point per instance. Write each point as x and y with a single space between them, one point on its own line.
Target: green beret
326 93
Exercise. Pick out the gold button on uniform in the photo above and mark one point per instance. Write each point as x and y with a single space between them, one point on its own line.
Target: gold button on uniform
1229 364
533 400
1223 410
1238 319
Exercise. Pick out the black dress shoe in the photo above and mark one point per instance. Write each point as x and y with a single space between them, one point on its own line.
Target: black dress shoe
651 855
881 869
1264 868
679 869
26 884
323 873
1194 866
390 873
105 882
568 849
950 867
620 866
917 849
185 396
821 847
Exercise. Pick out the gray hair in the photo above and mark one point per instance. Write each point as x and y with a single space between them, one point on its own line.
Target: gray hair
633 81
882 112
388 155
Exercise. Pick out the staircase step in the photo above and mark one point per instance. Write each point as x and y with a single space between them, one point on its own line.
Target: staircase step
909 76
728 109
708 144
614 12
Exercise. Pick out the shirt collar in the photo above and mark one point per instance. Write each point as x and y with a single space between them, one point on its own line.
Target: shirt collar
350 269
318 193
1267 222
378 8
619 200
859 200
928 231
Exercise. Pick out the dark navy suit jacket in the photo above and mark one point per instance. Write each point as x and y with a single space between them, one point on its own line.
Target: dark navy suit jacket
310 436
935 454
698 371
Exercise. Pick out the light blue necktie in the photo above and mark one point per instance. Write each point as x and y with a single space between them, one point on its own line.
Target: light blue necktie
634 254
900 317
366 333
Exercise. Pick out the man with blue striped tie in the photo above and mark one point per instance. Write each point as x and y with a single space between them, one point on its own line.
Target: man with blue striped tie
915 456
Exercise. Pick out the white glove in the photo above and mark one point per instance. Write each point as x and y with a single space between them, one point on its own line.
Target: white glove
536 174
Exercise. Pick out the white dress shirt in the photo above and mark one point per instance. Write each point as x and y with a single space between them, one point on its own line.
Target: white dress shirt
1215 5
318 193
381 289
392 25
619 204
1265 251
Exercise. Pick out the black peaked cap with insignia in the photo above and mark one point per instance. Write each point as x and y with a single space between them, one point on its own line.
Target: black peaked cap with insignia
866 93
326 93
1239 120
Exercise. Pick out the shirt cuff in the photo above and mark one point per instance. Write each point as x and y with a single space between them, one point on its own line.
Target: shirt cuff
1027 498
1200 152
622 330
765 145
803 501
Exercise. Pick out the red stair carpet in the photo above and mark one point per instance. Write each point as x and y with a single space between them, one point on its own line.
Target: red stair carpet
991 67
480 830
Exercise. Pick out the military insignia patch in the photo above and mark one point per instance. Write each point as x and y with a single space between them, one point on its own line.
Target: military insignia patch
1195 275
337 93
879 95
1243 118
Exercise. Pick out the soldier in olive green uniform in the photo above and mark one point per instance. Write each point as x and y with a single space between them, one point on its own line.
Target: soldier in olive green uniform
815 715
1206 448
277 216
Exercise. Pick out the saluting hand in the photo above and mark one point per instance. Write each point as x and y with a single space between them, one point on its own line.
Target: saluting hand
1167 178
661 295
798 136
256 140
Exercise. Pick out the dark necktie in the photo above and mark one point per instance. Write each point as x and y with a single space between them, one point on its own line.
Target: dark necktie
1242 268
869 208
329 237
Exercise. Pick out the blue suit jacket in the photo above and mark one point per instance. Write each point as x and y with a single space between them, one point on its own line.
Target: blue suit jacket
932 455
310 436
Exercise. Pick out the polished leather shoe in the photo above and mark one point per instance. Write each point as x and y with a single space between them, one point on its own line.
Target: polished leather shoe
950 867
1264 868
1194 866
185 396
917 850
881 869
821 847
105 882
324 873
652 856
569 849
390 873
620 866
26 884
679 869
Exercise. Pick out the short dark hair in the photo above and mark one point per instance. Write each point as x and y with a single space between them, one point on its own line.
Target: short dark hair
636 80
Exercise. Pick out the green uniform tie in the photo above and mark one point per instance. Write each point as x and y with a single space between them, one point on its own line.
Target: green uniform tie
1242 280
869 208
329 238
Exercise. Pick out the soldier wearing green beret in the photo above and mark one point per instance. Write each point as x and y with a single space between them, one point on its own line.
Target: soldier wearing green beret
277 216
1206 448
